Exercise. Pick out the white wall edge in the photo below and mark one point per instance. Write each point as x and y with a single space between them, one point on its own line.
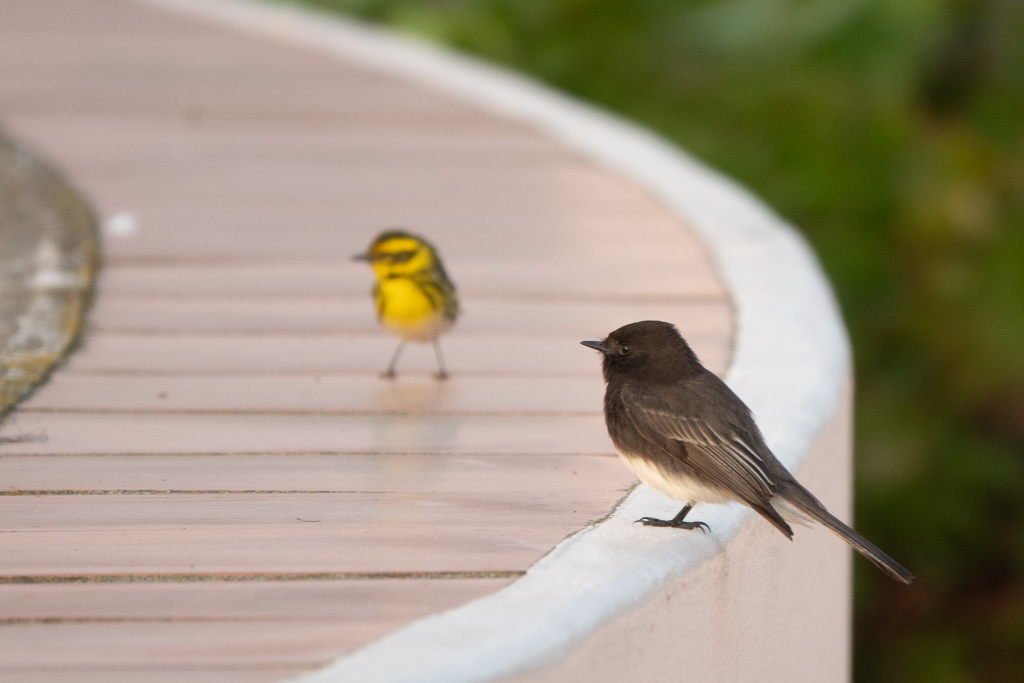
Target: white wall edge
790 362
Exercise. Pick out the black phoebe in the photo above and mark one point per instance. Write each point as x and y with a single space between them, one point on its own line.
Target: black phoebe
685 434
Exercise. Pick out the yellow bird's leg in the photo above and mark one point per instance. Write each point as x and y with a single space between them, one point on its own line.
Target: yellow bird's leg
441 372
390 372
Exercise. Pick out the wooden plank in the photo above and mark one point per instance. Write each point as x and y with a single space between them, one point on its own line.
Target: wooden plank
355 313
269 433
153 90
531 187
185 674
213 142
283 513
688 277
287 647
115 352
366 608
254 227
372 601
288 533
351 472
329 394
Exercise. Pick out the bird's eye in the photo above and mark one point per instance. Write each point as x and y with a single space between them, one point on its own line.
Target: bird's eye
624 349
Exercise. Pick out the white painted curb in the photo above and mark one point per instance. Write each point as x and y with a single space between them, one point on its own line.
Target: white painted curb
790 364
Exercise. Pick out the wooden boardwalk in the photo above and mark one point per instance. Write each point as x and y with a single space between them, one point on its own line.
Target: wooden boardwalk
228 491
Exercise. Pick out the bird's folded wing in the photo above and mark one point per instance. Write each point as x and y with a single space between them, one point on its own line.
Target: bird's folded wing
439 292
721 454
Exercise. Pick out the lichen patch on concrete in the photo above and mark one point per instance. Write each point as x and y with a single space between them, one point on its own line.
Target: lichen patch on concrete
49 255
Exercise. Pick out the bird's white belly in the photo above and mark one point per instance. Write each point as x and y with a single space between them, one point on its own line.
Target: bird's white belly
675 485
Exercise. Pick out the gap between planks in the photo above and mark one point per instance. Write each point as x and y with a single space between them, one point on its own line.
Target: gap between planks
314 413
176 492
148 454
34 621
497 374
257 576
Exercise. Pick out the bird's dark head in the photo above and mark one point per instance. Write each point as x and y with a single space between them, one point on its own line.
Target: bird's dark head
649 350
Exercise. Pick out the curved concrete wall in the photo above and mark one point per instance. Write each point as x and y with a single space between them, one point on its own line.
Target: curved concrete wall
764 609
613 601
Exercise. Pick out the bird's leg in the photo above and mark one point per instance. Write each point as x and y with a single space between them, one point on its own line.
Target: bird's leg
441 372
676 522
390 372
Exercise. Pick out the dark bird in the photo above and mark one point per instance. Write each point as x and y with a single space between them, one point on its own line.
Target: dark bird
685 434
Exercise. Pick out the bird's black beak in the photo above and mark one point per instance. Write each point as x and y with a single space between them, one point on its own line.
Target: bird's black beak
361 257
595 345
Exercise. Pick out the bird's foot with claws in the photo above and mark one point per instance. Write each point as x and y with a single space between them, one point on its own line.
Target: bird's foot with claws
674 523
388 374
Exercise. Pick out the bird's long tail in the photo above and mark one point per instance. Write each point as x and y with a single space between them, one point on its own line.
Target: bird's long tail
801 499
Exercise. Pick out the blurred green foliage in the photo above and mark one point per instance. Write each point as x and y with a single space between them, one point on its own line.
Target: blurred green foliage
892 133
